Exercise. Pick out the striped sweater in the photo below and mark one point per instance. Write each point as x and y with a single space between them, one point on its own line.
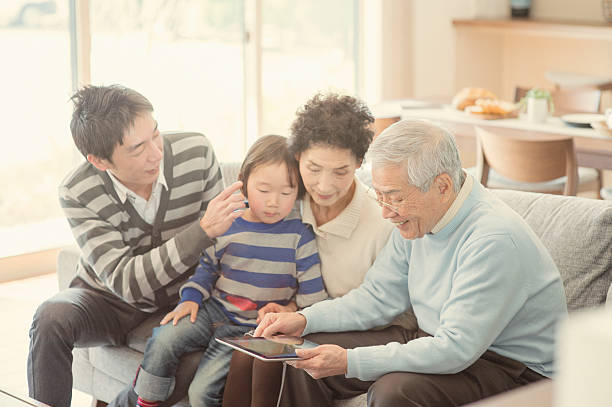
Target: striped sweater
253 264
143 264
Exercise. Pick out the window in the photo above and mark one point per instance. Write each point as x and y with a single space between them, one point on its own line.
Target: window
38 150
307 46
192 59
184 56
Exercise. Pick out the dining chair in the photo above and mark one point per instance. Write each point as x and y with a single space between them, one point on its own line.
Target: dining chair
564 80
581 100
381 123
528 164
572 100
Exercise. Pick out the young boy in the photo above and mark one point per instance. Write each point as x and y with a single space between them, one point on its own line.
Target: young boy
266 262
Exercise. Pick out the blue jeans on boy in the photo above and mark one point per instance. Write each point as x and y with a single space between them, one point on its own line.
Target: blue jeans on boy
155 379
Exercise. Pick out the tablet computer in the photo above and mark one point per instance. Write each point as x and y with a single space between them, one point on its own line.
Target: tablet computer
274 349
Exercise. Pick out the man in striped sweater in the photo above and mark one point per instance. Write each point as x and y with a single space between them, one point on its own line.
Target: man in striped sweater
141 208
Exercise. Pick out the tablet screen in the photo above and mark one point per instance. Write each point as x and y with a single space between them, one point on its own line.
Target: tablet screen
277 348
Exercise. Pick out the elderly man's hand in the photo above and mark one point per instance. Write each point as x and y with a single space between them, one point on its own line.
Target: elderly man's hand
222 210
287 323
274 307
322 361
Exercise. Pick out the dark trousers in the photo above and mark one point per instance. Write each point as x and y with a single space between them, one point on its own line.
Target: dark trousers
75 317
489 375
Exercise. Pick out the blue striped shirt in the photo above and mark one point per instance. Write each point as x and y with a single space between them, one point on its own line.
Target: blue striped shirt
253 264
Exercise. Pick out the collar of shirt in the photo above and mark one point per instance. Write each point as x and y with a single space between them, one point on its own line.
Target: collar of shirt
342 225
465 190
123 192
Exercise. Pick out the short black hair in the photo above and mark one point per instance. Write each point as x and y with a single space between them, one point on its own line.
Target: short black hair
335 120
271 149
102 115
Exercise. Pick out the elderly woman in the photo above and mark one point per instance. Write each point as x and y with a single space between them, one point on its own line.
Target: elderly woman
329 137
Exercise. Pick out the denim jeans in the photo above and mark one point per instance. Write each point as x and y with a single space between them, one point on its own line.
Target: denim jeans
155 379
75 317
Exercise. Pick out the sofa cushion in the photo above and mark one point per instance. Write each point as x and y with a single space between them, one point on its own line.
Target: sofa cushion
578 234
137 338
119 362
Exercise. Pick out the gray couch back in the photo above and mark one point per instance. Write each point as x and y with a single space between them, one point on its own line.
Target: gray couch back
578 234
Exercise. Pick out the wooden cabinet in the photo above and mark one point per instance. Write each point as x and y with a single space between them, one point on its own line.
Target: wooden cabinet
502 54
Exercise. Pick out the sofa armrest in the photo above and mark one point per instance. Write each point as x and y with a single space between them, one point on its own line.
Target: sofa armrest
67 261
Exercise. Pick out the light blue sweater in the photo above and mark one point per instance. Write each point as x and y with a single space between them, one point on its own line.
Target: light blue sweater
483 282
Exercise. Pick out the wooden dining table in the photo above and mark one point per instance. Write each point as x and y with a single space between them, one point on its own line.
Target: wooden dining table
592 149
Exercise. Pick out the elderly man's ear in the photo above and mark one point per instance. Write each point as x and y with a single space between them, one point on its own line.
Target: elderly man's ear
444 186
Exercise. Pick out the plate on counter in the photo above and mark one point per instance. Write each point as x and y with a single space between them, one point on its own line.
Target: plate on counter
582 119
602 128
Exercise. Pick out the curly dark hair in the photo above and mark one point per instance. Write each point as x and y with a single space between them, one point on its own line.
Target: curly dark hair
336 120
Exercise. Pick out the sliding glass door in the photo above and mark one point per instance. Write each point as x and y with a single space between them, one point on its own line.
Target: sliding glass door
185 56
231 69
37 148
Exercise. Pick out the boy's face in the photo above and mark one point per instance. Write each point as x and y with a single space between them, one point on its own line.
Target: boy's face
271 196
136 162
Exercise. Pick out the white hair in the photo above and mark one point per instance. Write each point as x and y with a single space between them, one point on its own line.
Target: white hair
423 148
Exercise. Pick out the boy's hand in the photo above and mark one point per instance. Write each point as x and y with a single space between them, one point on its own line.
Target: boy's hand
274 307
184 308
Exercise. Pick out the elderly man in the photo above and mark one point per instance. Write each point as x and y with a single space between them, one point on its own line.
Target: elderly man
485 292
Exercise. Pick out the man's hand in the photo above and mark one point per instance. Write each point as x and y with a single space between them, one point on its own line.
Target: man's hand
274 307
288 323
222 210
181 310
322 361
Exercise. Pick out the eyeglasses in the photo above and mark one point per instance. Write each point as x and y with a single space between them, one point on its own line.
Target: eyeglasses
393 204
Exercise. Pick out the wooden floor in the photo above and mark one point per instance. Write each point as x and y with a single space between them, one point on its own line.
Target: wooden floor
18 301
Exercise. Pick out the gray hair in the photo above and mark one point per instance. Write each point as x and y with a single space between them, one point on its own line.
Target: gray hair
423 148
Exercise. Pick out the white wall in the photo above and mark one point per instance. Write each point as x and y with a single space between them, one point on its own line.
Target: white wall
427 45
572 10
433 56
386 45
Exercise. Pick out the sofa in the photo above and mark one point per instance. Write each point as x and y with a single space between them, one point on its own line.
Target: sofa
576 231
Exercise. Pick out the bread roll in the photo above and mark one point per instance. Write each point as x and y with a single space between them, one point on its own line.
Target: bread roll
491 106
468 96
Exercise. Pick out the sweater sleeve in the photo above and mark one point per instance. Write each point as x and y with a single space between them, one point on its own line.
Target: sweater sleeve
127 272
486 294
308 268
381 297
129 275
199 286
